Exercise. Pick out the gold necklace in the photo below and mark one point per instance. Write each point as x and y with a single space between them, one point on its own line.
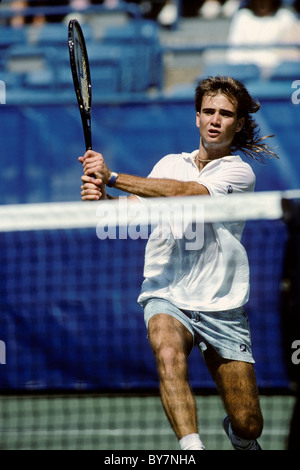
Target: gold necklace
202 161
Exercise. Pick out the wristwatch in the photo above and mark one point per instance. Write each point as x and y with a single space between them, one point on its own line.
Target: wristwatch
112 179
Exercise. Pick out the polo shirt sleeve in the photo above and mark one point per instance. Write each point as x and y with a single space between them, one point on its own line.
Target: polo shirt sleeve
227 178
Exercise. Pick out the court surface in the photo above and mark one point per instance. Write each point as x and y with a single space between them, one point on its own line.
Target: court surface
122 423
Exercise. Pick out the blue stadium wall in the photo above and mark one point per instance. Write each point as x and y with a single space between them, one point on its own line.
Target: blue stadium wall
40 144
72 322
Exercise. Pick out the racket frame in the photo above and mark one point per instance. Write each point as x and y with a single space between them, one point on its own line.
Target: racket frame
84 113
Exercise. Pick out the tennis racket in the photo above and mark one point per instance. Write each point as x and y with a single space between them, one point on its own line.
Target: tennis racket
81 77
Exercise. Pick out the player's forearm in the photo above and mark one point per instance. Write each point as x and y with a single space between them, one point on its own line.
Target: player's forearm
156 187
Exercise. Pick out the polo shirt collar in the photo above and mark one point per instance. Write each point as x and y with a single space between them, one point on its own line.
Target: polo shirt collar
229 158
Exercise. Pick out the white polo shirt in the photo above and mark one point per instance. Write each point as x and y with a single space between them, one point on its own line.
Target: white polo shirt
215 276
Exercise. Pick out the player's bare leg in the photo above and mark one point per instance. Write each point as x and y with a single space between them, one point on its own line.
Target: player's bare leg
236 382
171 343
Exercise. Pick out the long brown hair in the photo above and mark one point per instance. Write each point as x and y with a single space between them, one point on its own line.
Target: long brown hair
248 140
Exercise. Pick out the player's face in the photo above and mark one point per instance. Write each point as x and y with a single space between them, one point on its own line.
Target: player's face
218 122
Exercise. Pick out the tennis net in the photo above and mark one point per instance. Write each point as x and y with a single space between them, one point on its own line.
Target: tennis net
76 368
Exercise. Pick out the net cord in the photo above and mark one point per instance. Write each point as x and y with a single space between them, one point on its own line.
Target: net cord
73 215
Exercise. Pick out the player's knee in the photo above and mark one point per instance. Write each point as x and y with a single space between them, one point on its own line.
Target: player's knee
248 426
171 362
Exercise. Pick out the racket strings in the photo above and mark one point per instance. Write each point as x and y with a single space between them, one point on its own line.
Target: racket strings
82 72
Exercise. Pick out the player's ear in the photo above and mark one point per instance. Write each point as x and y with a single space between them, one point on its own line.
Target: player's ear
198 119
240 124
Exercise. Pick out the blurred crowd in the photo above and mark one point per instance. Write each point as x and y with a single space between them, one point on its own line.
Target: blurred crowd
166 12
252 22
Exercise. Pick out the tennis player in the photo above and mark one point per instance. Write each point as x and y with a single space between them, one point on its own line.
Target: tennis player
196 297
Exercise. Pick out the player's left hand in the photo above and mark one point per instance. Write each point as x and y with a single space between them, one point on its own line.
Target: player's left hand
92 189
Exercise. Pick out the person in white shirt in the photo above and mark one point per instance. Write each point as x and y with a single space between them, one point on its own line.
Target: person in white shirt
261 24
196 296
225 175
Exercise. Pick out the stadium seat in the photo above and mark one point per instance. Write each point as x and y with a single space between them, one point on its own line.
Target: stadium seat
182 90
55 34
11 36
25 58
106 80
270 89
242 72
42 79
109 68
11 80
287 70
143 38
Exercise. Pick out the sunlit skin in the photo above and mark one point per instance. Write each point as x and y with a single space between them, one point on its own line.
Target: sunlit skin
218 123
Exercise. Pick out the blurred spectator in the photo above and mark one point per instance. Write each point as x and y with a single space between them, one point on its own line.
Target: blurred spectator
213 8
111 3
80 4
166 12
20 19
293 36
261 22
230 7
168 16
108 3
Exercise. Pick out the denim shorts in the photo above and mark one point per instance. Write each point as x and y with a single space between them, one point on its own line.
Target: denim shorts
228 331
